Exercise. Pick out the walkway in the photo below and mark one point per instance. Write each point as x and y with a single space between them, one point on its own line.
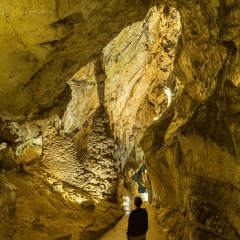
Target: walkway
119 231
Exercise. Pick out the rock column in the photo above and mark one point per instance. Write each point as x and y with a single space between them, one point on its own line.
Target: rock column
100 77
100 171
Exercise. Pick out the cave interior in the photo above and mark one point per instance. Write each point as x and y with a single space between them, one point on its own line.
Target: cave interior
103 101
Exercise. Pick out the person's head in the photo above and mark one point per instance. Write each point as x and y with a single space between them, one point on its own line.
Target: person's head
137 201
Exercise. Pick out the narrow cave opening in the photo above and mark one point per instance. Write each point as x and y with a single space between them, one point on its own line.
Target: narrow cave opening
137 176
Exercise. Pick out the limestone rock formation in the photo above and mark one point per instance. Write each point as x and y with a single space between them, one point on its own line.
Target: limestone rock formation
132 187
8 160
100 172
44 211
7 198
3 148
192 151
123 194
44 43
134 161
137 63
60 156
143 178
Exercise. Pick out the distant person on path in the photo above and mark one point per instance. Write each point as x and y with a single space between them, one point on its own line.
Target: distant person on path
137 222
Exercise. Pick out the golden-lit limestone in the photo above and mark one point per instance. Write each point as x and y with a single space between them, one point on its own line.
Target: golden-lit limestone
8 198
137 63
192 151
44 43
44 212
60 156
100 173
143 178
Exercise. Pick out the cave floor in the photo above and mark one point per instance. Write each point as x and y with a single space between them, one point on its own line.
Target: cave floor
119 231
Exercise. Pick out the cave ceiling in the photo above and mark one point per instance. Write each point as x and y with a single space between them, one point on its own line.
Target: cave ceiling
44 43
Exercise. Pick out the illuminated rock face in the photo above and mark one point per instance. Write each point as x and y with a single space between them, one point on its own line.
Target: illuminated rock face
192 151
60 156
47 208
100 173
137 64
143 178
44 43
8 198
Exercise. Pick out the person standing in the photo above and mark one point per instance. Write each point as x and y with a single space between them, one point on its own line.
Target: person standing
138 222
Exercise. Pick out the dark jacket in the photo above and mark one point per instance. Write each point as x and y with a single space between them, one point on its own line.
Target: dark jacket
137 222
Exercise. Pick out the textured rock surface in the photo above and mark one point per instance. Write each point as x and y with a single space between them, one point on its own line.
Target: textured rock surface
143 178
132 187
7 198
8 160
44 43
100 174
47 208
60 156
100 76
137 64
122 194
192 151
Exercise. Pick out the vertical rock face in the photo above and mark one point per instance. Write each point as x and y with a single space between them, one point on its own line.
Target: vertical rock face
100 172
60 156
192 151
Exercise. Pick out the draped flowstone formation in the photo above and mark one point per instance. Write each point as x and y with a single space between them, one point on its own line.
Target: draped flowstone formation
100 171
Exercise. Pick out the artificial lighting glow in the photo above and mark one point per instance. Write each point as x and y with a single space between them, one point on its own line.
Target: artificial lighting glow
169 94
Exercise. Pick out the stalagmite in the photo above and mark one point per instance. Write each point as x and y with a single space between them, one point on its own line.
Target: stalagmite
100 171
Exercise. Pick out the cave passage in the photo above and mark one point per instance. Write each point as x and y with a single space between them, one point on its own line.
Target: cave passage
141 188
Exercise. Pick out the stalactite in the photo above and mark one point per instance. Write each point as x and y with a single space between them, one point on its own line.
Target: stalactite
100 77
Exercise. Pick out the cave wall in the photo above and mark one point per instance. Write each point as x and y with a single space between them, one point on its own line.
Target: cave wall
192 151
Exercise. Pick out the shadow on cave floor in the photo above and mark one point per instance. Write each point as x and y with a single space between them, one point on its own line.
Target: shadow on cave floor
119 232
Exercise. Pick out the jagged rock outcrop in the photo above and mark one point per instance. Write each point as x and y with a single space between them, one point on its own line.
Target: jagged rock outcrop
8 160
122 194
101 174
134 161
60 156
